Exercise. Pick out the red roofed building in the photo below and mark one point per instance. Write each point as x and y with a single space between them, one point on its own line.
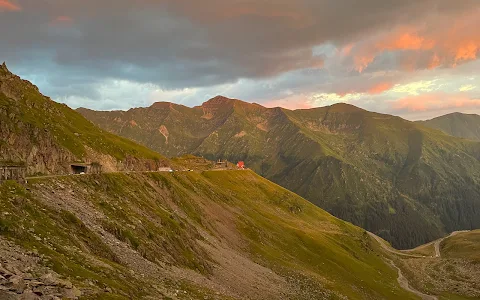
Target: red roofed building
241 165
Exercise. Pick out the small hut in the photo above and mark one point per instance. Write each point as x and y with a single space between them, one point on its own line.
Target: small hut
13 171
220 164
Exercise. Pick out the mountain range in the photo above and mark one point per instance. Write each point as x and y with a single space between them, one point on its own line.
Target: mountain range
120 234
130 233
402 180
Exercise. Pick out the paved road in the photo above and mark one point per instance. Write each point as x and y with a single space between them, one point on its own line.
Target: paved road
437 243
391 250
124 172
402 280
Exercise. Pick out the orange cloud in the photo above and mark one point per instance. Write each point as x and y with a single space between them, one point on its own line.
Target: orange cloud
434 62
370 88
468 51
433 102
5 5
380 88
62 20
405 41
346 50
291 102
363 61
434 43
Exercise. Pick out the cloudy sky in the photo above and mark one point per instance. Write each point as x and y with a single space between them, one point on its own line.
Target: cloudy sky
412 58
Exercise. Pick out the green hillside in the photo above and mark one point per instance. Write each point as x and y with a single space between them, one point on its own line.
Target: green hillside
463 245
188 235
457 124
47 136
401 180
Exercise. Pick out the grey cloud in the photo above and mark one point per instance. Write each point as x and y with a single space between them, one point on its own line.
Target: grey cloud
178 44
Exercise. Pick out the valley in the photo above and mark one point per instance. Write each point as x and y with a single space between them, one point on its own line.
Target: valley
132 229
239 150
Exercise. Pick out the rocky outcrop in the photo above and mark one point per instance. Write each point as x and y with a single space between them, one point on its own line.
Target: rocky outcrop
23 277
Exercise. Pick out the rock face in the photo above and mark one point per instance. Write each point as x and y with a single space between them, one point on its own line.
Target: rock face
22 276
403 181
48 136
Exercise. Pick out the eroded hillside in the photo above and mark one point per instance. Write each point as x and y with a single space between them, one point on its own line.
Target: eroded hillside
182 235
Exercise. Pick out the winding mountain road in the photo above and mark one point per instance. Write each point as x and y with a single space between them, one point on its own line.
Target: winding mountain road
437 243
403 282
391 250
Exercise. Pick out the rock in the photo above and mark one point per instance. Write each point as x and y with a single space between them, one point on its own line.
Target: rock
52 280
67 284
4 295
73 293
35 283
29 295
17 284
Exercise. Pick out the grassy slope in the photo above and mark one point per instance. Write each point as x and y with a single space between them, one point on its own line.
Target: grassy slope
463 245
396 178
165 220
64 122
457 124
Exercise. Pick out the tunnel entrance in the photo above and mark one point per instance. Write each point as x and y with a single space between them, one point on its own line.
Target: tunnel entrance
79 169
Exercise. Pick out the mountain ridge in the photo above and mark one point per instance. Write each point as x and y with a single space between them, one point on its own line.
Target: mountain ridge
457 124
48 136
194 235
375 170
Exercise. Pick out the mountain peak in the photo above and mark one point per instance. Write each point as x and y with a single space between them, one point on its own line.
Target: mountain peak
345 107
3 69
162 105
218 100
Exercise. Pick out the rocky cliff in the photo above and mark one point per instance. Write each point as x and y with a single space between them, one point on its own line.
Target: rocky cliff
48 136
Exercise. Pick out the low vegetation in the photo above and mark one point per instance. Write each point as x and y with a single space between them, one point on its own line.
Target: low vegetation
405 182
218 234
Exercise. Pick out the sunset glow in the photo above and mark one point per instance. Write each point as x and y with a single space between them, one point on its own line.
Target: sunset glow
282 53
